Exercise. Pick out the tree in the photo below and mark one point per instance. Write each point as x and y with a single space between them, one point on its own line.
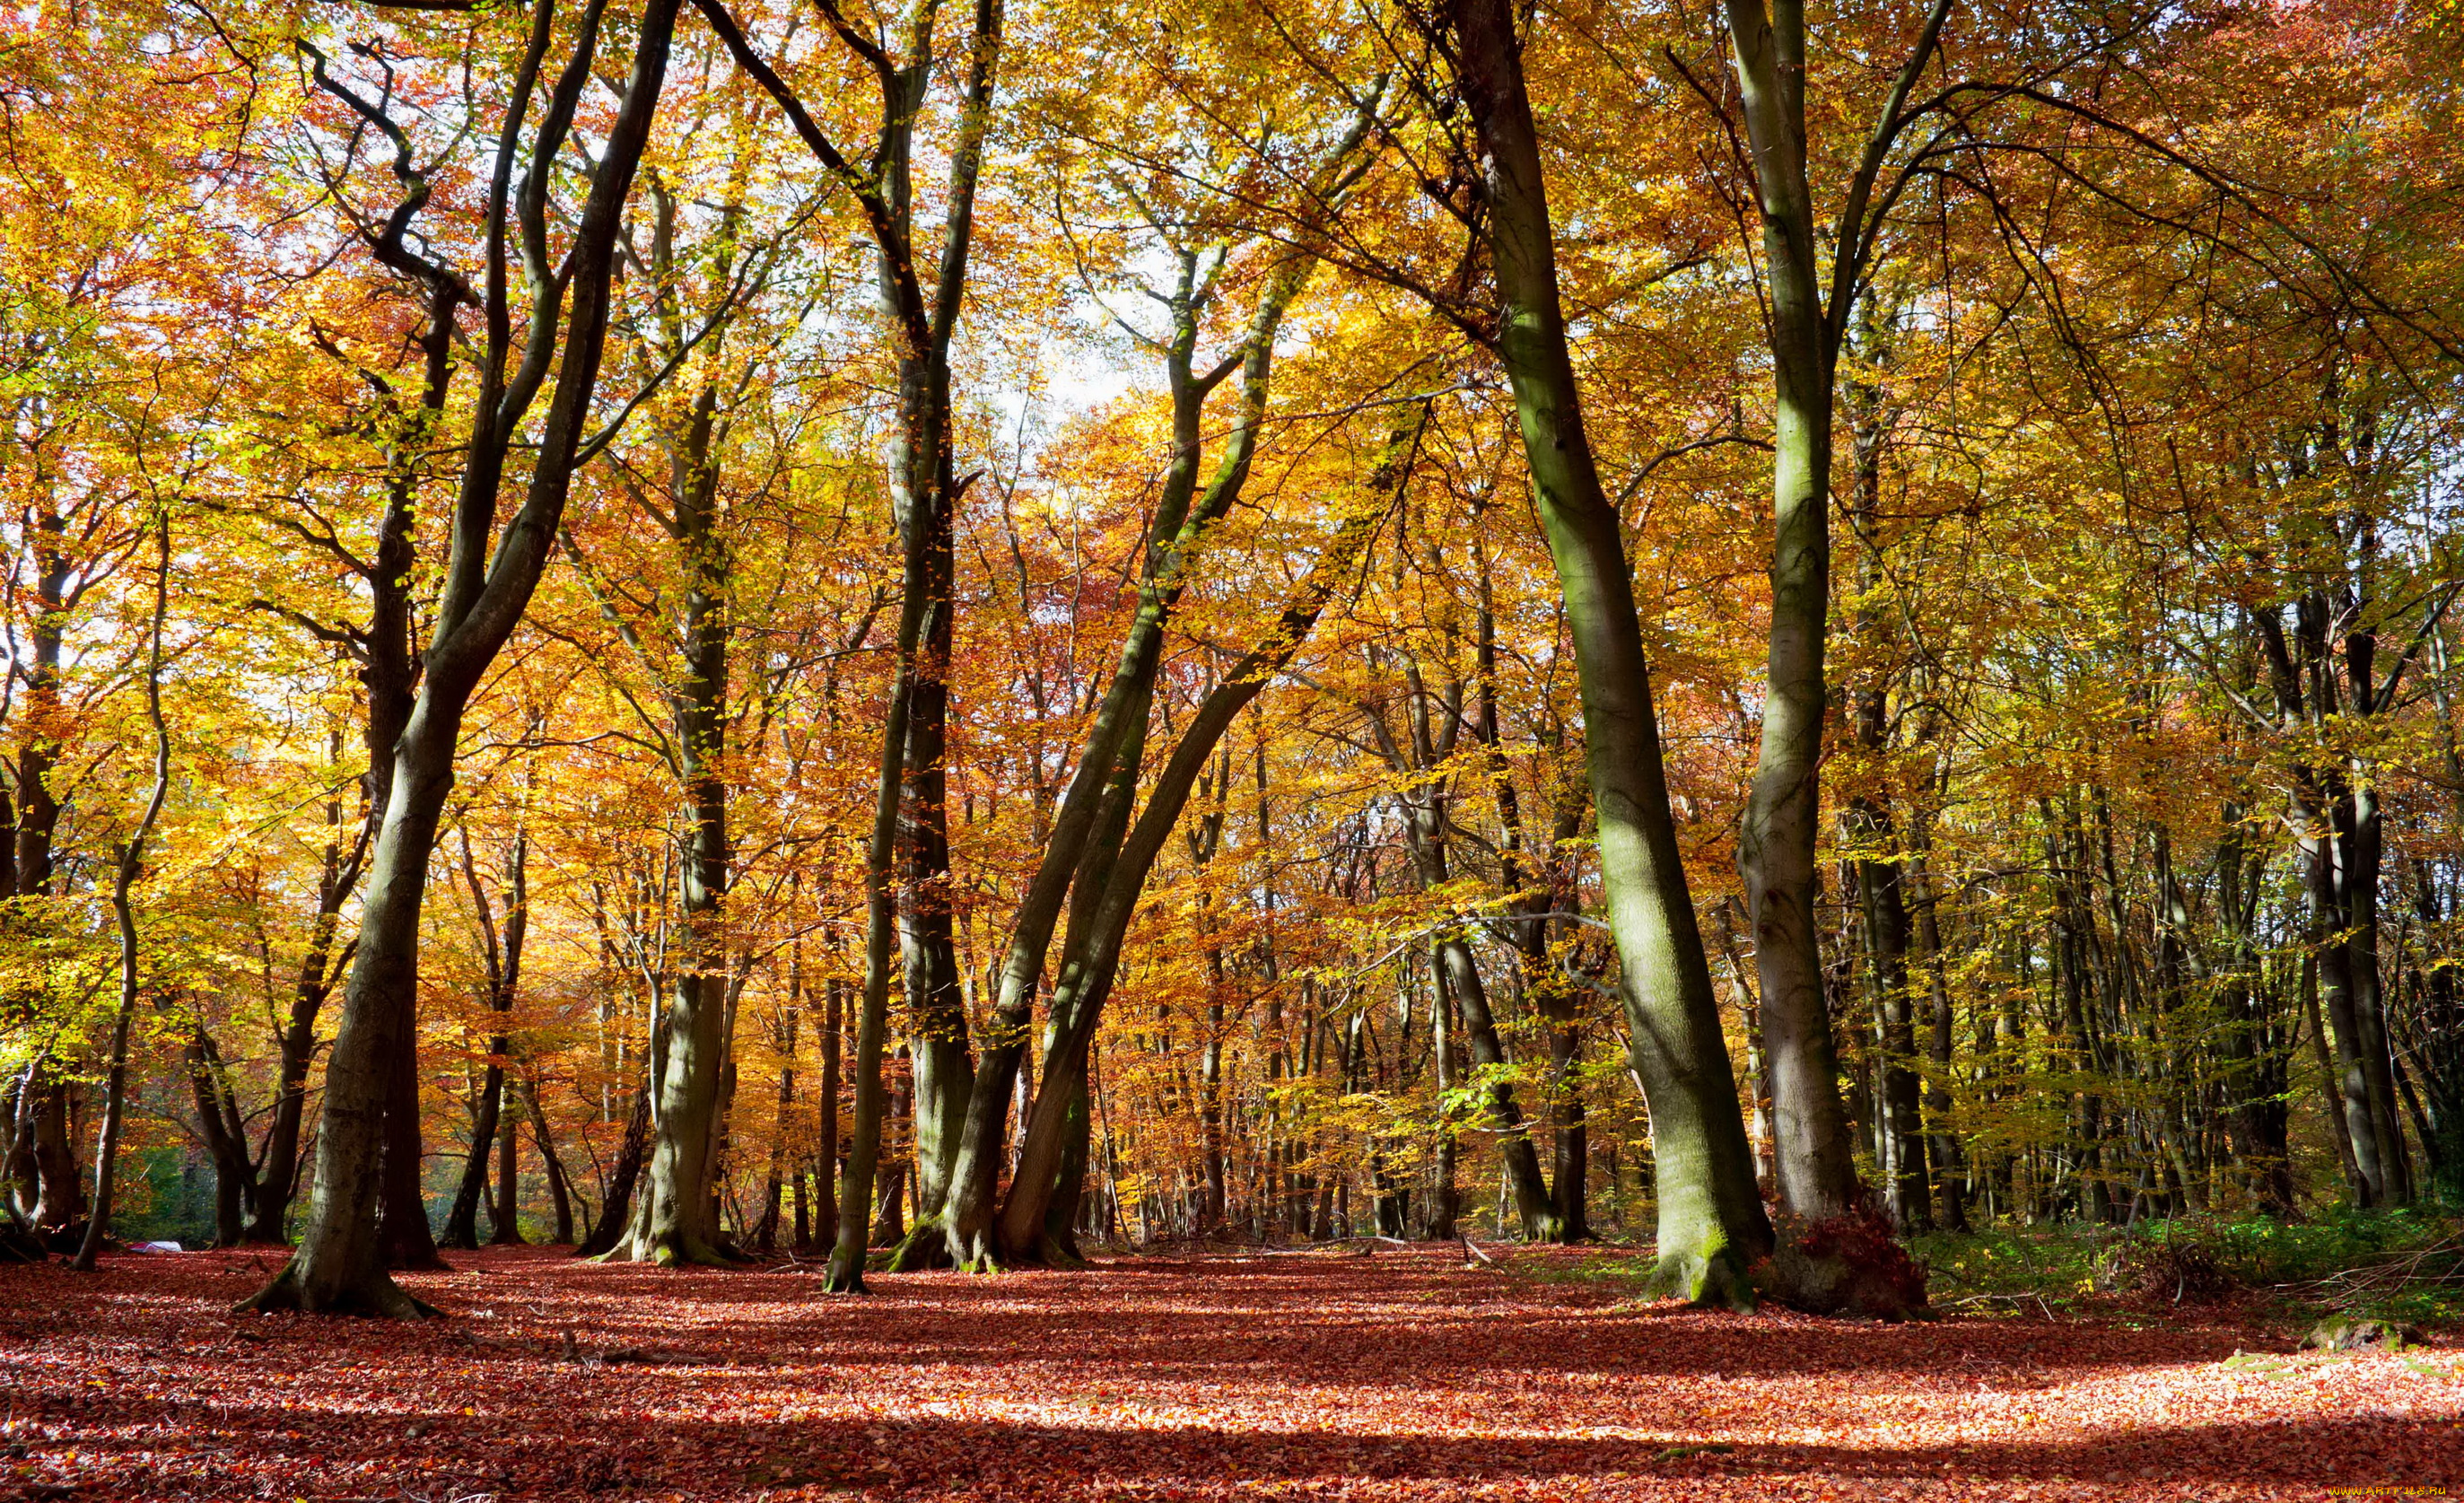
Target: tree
1711 1222
337 1267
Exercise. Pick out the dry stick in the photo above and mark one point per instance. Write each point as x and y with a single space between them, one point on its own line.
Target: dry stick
124 878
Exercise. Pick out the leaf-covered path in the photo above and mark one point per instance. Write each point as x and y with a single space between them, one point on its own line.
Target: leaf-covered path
1396 1376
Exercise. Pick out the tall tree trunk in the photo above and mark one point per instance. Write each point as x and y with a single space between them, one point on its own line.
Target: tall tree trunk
1113 868
488 583
57 1202
1711 1222
1446 1201
845 1273
1077 862
127 861
826 1146
1776 842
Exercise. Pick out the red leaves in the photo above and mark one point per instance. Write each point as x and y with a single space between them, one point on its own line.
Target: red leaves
1401 1376
1853 1265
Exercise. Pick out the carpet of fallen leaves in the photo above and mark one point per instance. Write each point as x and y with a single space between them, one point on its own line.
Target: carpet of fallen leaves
1397 1376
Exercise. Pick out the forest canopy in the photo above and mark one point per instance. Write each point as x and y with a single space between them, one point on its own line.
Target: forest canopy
961 633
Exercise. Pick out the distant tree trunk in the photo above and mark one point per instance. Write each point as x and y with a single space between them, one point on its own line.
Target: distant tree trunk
218 1122
127 861
505 1212
492 1128
826 1146
1079 859
279 1177
1949 1161
765 1234
462 1222
1417 756
560 1189
1445 1203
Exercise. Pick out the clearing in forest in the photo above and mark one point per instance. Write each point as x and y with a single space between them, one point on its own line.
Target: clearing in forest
1307 1375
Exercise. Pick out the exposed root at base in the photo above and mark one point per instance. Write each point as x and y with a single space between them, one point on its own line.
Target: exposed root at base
1852 1264
925 1247
1715 1280
672 1249
375 1294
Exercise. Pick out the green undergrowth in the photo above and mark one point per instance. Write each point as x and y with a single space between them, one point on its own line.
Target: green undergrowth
2395 1265
2404 1266
1619 1266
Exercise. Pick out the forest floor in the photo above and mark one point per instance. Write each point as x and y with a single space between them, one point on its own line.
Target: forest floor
1402 1375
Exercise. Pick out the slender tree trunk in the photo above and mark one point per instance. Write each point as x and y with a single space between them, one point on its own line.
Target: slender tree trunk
560 1188
504 1211
1775 843
488 583
826 1146
1711 1222
617 1213
462 1222
872 1018
50 1096
278 1179
128 861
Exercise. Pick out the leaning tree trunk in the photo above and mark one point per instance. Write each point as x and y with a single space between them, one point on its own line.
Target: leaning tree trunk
1711 1222
617 1213
488 583
560 1189
1111 879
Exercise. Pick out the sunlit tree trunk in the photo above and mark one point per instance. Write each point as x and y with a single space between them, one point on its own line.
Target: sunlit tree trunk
1711 1222
489 581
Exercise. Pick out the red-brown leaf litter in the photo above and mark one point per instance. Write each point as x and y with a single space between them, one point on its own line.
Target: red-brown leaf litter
1402 1375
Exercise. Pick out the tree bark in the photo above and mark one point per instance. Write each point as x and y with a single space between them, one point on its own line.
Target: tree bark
488 583
1711 1222
128 861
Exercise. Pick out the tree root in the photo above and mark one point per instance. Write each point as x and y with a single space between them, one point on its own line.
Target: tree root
374 1293
925 1247
1709 1278
672 1249
1849 1265
844 1276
